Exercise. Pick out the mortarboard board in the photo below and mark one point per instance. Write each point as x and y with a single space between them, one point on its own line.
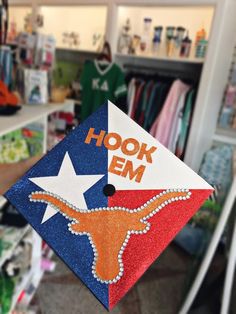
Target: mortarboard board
108 199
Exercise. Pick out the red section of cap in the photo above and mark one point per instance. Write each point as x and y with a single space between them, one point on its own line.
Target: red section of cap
142 250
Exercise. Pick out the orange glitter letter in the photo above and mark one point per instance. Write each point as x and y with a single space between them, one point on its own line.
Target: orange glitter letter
137 173
98 137
116 163
143 152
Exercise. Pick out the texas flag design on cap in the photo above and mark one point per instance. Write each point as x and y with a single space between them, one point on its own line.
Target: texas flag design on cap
108 199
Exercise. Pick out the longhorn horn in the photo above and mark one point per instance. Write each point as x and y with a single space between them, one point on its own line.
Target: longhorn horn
159 201
58 203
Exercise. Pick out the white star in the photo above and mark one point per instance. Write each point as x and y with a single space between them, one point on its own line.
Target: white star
68 185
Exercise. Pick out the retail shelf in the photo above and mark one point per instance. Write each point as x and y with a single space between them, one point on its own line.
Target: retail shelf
24 282
227 136
36 282
29 114
29 284
159 58
82 51
13 236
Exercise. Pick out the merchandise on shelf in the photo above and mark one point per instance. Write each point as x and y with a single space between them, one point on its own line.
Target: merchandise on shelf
146 33
185 47
201 43
26 48
35 86
156 38
36 50
216 169
6 65
13 148
71 39
180 31
170 46
12 33
21 144
201 48
45 51
169 32
8 101
200 35
34 135
59 125
125 40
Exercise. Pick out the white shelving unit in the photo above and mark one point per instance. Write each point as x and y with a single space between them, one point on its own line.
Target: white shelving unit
227 136
15 235
146 58
25 116
29 114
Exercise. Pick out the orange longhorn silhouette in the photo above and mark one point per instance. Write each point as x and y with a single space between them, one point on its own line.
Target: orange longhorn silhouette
110 228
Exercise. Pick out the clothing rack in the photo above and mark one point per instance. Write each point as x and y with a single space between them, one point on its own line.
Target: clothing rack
164 72
154 94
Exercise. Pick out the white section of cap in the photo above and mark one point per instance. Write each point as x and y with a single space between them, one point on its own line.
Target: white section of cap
166 170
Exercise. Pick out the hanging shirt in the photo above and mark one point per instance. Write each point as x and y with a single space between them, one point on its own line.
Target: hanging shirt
131 95
185 123
176 123
156 102
100 83
137 97
162 125
146 95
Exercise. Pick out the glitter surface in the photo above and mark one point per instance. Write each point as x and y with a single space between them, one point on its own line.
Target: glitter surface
137 242
75 250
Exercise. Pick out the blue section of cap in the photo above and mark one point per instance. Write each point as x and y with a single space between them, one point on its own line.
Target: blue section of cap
87 159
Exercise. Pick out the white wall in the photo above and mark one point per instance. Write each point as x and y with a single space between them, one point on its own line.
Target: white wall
18 14
85 20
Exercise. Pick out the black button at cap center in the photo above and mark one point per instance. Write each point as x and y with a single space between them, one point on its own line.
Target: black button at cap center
109 190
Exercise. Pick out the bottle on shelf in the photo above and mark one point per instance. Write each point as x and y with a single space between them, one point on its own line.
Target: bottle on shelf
185 47
201 48
125 40
180 31
201 34
170 31
170 40
156 39
170 48
145 38
135 44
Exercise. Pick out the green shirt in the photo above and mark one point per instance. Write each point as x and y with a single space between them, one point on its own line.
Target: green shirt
100 83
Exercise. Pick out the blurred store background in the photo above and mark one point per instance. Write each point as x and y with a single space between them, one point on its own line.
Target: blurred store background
169 63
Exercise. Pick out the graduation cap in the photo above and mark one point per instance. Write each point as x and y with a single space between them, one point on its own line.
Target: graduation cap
108 199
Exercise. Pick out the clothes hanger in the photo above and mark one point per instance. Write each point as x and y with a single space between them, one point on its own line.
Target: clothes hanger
105 56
